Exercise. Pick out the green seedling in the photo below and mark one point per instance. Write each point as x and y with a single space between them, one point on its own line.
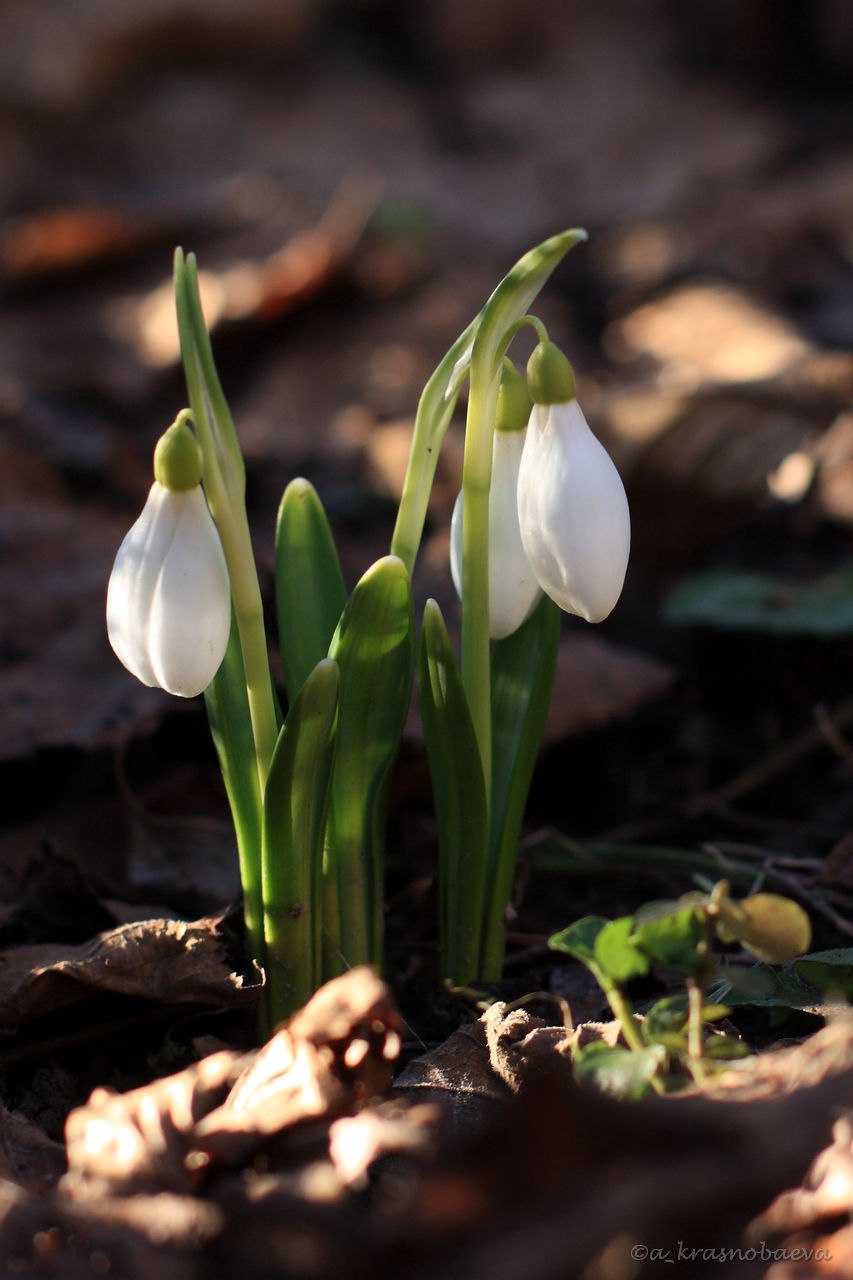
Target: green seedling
675 1040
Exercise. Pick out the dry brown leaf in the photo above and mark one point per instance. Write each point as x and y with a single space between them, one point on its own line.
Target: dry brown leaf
167 1135
827 1190
335 1052
172 961
59 239
139 1141
391 1128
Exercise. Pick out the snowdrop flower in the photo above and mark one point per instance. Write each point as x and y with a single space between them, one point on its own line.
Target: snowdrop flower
513 590
572 509
169 600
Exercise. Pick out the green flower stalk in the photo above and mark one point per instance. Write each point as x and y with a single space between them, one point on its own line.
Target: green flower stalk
225 485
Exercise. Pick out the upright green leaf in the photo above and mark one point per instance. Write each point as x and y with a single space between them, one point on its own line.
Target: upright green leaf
374 648
523 666
295 809
231 729
309 586
460 799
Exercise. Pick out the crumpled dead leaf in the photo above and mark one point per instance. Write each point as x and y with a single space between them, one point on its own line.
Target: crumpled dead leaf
139 1141
173 961
335 1054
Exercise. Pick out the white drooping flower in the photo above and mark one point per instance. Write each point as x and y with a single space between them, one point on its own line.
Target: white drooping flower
513 590
572 509
169 600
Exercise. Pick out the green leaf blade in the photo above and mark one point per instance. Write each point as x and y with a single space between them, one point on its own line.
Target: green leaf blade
295 808
309 587
374 648
230 723
460 799
522 679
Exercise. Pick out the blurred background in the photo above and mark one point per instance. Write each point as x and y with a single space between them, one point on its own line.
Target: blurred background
355 176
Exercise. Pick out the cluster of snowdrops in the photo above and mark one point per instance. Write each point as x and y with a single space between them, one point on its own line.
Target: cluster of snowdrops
541 525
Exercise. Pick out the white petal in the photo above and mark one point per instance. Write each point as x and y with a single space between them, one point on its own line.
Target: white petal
513 590
168 600
190 617
133 579
573 512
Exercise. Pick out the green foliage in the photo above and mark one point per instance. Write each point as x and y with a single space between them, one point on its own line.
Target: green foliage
736 600
522 679
227 705
309 586
294 822
673 1042
622 1073
810 982
460 796
374 647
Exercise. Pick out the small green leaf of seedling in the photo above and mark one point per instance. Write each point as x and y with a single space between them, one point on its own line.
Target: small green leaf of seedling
622 1073
671 934
774 929
579 939
616 952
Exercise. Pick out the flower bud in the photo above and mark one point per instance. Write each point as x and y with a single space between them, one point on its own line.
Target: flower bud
169 600
572 510
513 590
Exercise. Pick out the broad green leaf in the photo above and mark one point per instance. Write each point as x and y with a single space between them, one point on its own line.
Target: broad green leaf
830 971
295 808
616 953
374 648
672 938
737 600
774 929
765 988
309 586
522 676
578 939
460 799
621 1073
231 729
